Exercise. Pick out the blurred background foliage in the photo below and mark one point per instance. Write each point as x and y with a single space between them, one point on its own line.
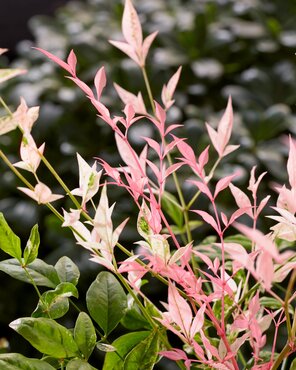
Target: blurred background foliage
244 48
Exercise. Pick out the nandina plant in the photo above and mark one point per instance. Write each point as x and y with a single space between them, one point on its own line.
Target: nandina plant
222 294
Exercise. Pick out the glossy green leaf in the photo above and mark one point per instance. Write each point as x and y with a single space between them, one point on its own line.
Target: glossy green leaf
9 242
106 301
123 345
78 364
274 304
85 334
134 320
15 361
67 270
42 273
47 336
31 250
54 303
144 355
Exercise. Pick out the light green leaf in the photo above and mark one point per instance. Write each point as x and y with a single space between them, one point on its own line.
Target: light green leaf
274 304
293 365
144 355
171 205
85 334
9 242
42 273
54 303
67 270
31 250
8 73
47 336
123 345
7 124
15 361
106 301
79 365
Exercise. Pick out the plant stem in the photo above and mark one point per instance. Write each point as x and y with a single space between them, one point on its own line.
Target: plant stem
148 87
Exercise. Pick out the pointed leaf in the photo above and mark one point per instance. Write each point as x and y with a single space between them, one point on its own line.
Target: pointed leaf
9 242
123 345
79 365
291 164
31 250
47 336
85 334
57 60
67 271
8 73
144 355
42 273
100 81
16 361
106 301
131 26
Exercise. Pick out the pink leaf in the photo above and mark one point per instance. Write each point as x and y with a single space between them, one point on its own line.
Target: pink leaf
128 155
169 89
131 26
208 219
224 219
154 145
83 86
198 321
291 164
241 199
174 354
161 117
186 150
265 269
203 188
174 167
72 62
100 81
57 60
223 184
203 157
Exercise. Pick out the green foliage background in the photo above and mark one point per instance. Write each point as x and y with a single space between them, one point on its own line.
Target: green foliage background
244 48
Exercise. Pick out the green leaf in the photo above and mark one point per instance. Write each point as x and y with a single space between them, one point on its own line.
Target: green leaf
144 355
42 273
274 304
293 365
79 365
15 361
9 242
54 303
31 250
123 345
106 301
85 334
134 320
67 270
47 336
171 205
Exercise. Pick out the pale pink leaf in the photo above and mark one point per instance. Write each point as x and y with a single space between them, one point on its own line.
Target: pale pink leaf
154 145
100 81
172 127
169 89
239 212
224 219
203 157
146 45
3 50
291 164
131 26
179 310
265 269
126 152
129 98
214 137
174 167
262 204
127 49
263 242
225 126
198 321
